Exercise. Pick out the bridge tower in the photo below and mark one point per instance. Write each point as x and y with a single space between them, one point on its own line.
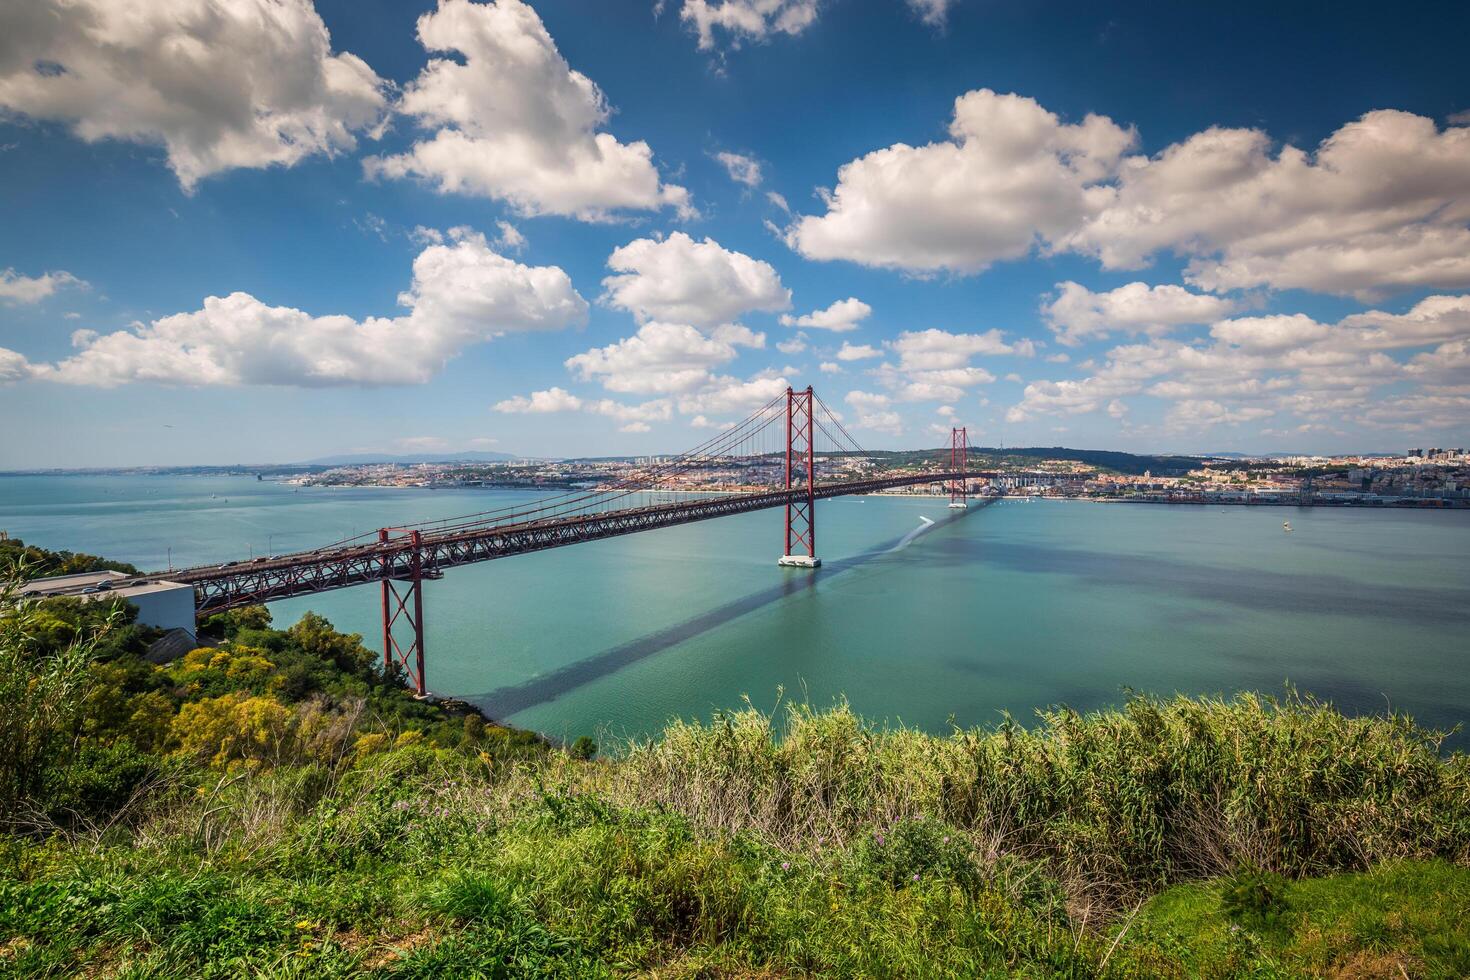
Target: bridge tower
405 606
801 508
959 449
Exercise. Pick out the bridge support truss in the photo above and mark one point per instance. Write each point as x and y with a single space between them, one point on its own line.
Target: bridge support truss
801 458
403 612
959 446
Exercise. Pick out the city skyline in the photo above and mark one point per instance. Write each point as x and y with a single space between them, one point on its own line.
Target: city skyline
277 231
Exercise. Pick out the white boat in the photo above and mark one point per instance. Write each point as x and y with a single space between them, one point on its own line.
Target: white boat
1286 526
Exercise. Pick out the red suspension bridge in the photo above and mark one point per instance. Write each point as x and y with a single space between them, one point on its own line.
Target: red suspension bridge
794 438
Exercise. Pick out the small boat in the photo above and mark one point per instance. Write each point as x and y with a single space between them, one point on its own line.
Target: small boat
1286 526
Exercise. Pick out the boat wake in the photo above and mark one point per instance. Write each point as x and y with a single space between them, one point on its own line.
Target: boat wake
903 542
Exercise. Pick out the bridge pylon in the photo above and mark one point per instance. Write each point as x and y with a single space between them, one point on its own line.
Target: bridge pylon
801 458
959 446
405 607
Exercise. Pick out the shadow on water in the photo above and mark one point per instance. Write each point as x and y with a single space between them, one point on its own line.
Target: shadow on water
506 701
1259 589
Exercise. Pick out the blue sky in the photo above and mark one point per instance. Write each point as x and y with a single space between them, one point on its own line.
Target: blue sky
266 231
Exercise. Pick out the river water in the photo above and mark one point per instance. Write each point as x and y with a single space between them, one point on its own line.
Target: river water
1008 607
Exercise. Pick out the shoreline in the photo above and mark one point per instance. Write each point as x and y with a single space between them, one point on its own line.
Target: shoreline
1381 505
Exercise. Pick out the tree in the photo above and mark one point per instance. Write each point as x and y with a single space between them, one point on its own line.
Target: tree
315 635
30 562
234 728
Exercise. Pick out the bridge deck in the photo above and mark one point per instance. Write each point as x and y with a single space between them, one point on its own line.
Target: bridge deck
218 587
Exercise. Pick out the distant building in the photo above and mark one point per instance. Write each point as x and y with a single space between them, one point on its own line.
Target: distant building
165 605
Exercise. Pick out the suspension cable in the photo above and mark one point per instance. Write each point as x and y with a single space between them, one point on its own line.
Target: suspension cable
717 445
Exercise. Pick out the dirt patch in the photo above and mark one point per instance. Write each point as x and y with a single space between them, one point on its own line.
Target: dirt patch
387 952
1366 965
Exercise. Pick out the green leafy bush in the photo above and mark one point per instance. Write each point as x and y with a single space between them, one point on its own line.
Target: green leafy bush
1255 899
98 781
911 851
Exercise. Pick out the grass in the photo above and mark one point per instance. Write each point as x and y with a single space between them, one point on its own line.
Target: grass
625 894
1405 918
838 850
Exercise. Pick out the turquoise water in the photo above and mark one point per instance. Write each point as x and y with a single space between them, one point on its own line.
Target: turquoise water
1009 607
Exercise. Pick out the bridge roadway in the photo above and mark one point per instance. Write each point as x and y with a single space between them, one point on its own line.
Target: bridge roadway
220 587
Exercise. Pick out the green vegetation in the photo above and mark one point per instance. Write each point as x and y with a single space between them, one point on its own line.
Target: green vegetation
89 727
29 561
1029 458
1105 460
271 806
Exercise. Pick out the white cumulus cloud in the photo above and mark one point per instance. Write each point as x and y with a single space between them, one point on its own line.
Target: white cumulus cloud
1011 174
746 20
462 294
219 84
16 288
932 12
1206 413
741 168
873 412
1382 204
660 357
510 238
1077 313
728 396
630 418
540 402
928 350
680 280
513 121
1290 364
841 317
1279 332
13 366
857 352
934 365
634 418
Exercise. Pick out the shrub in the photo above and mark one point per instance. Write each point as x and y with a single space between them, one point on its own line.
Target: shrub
1255 899
583 748
98 781
911 851
233 728
1126 800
